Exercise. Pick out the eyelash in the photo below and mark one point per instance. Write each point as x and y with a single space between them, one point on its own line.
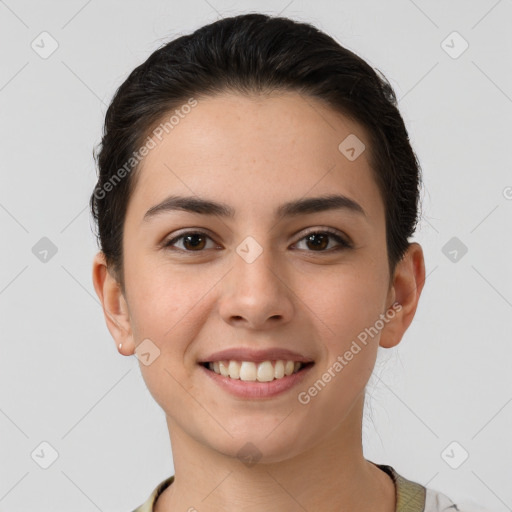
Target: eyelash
343 244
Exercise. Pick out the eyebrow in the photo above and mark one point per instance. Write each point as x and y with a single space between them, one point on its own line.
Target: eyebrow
303 206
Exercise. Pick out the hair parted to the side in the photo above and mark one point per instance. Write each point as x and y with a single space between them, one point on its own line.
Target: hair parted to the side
248 54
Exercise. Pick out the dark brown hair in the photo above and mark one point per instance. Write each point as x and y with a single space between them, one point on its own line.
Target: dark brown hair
247 54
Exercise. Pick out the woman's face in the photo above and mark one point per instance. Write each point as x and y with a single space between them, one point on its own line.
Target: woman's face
258 279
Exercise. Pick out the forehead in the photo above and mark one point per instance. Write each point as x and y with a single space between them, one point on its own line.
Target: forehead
256 151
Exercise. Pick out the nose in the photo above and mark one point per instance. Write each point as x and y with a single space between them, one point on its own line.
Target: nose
257 294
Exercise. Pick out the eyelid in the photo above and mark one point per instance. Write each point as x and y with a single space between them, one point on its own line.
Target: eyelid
324 229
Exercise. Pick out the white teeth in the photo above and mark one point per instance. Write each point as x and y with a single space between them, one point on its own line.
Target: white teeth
279 370
265 371
248 371
233 370
289 367
223 369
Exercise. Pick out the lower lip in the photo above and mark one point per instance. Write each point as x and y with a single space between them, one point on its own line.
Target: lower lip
254 389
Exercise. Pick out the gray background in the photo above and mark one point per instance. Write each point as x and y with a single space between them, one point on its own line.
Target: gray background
62 380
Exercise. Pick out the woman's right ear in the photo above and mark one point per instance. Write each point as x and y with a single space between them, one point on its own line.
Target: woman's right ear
115 308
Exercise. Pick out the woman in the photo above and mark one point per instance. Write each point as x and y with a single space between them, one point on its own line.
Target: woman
255 198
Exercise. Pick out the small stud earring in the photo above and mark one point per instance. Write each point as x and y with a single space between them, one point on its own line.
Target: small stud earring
120 345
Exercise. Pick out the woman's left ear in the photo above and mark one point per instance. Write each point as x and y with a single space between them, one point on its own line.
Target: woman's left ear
405 290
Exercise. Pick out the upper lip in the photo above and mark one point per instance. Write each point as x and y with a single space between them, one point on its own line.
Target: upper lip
256 356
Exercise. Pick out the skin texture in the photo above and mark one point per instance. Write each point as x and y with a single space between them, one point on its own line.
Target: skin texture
255 153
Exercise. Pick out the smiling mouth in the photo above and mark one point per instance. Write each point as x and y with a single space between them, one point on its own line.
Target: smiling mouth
249 371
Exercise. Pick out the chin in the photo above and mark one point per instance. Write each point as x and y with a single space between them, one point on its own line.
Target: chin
266 446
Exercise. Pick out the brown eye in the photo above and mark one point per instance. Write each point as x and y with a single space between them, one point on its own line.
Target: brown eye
193 241
318 241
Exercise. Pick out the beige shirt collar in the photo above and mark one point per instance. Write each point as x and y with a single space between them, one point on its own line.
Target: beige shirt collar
410 496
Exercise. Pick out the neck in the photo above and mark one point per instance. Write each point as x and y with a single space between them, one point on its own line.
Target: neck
332 475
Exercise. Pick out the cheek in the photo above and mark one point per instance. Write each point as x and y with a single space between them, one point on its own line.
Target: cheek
344 312
167 310
165 301
346 303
